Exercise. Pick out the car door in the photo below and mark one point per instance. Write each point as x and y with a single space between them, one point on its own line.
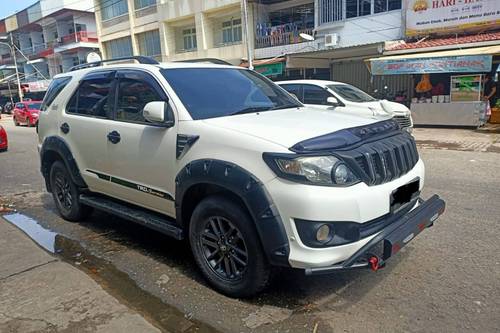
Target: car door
316 96
143 155
84 126
20 112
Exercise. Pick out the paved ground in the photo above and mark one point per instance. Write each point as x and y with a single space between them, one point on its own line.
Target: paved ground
445 280
39 293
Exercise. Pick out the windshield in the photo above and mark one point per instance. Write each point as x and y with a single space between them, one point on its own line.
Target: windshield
351 94
218 92
34 106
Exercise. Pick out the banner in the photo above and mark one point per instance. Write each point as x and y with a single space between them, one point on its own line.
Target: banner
432 16
462 64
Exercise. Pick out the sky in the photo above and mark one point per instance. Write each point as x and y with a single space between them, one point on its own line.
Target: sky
9 7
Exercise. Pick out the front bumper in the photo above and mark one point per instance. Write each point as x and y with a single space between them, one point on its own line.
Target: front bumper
391 239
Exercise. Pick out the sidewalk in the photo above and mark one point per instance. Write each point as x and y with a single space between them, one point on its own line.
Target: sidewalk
483 140
40 293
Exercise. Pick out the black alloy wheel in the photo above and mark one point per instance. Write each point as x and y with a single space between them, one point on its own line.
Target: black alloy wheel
227 247
224 248
66 194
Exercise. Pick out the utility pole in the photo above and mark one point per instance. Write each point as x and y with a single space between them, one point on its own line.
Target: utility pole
247 36
13 51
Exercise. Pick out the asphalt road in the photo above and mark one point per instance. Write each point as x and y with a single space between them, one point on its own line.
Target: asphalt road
447 279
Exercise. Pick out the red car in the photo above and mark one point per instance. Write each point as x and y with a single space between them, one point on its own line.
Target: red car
4 143
26 113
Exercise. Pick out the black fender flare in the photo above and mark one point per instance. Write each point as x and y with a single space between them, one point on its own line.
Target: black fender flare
57 145
250 190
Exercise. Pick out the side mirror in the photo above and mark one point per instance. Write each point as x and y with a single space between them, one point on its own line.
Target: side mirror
158 113
332 101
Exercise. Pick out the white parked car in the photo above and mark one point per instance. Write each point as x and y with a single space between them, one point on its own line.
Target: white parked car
346 98
221 156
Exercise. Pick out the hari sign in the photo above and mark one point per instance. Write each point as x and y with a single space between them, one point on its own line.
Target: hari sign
461 64
434 16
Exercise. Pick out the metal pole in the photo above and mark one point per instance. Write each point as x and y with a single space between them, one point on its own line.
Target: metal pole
249 47
12 49
10 93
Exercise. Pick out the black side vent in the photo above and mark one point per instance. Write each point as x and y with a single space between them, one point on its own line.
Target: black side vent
184 142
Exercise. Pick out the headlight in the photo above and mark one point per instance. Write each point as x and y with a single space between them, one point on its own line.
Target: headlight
35 115
318 170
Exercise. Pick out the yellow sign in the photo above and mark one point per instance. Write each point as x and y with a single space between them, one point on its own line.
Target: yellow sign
433 16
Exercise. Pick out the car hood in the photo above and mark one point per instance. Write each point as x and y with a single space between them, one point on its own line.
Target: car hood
386 107
289 126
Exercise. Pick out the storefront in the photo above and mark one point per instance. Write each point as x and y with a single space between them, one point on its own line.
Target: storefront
448 86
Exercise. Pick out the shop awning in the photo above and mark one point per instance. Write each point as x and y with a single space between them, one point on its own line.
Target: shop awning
470 60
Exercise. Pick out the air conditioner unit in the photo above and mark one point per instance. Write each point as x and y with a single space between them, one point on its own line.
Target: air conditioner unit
331 40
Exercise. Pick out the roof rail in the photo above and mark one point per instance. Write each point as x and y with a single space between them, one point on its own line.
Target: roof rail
208 60
139 59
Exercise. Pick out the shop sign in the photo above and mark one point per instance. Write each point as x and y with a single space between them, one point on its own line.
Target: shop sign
434 16
460 64
38 86
465 88
270 70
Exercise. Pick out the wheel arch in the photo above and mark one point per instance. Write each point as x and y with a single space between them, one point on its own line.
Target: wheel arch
53 149
201 178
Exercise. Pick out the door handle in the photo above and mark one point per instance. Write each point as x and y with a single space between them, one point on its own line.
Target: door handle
65 128
114 137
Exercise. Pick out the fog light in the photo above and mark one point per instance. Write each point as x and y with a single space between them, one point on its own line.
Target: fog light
324 233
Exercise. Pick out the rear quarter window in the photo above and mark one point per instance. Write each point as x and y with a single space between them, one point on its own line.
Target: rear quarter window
55 88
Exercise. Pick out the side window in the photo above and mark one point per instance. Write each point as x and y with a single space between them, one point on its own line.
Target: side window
20 106
92 98
133 95
295 90
315 95
55 87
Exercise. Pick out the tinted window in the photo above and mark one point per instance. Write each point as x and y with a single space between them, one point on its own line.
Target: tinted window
92 98
350 93
20 105
35 106
218 92
315 95
55 87
133 95
294 89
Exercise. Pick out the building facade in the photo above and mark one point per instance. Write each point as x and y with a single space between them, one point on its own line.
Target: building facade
49 38
172 30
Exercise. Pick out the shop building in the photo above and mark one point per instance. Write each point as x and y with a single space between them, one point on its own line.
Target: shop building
345 33
172 30
49 37
447 53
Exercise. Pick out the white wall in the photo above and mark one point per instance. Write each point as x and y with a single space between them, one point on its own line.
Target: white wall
367 29
51 6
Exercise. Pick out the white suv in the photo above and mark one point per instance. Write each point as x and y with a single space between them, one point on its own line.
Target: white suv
223 157
342 97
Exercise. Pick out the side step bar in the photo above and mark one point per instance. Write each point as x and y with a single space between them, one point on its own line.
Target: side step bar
131 213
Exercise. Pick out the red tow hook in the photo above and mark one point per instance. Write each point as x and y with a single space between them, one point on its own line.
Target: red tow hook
375 263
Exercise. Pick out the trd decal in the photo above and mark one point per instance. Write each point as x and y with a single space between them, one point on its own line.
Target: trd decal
135 186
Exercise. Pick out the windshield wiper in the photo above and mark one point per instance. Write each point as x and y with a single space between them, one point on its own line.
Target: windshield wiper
252 109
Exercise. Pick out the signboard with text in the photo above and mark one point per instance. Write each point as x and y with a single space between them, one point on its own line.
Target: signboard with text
462 64
434 16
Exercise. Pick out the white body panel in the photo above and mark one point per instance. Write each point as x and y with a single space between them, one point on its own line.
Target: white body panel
146 155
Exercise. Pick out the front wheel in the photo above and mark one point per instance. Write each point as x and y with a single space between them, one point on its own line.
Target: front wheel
66 194
16 123
227 249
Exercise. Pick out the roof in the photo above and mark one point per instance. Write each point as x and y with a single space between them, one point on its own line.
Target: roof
485 50
166 65
436 42
315 82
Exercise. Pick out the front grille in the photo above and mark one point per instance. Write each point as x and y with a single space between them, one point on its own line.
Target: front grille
403 121
381 161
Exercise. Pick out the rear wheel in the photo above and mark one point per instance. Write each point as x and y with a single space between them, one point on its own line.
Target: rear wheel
66 194
227 248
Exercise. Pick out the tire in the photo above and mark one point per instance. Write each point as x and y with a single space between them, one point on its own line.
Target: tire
224 264
28 123
15 121
66 194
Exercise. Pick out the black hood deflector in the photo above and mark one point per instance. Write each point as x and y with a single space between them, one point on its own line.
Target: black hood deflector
348 137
